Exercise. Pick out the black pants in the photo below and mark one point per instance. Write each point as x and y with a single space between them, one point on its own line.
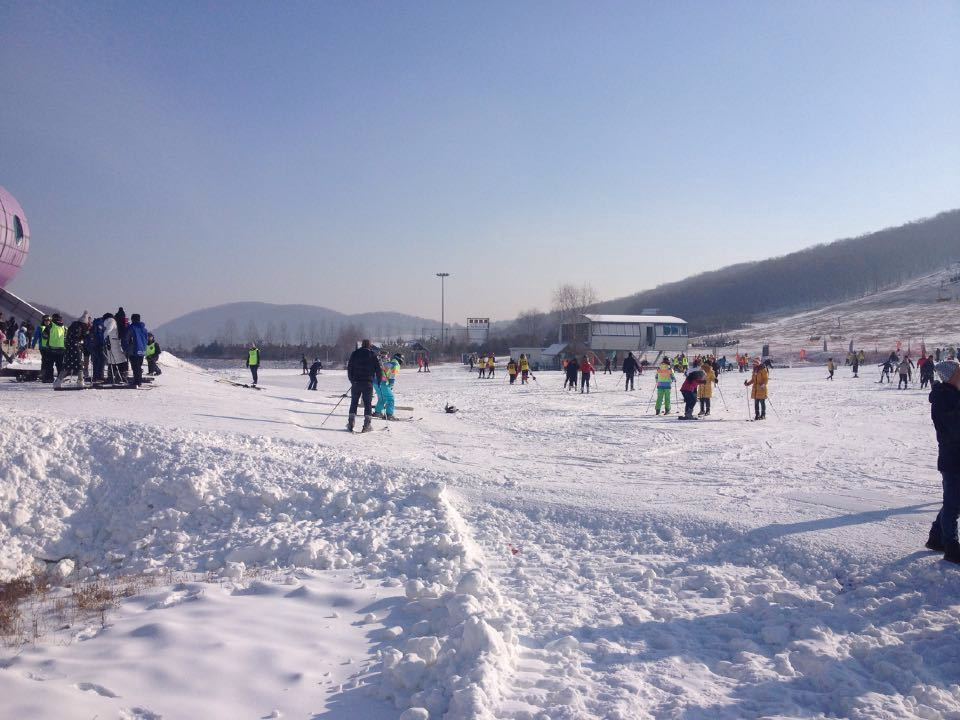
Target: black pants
584 381
628 382
152 367
136 364
361 390
903 381
98 363
690 401
571 381
253 371
704 406
46 366
313 383
760 408
56 363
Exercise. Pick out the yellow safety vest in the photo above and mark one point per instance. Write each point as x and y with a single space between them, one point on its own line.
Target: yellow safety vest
253 357
56 337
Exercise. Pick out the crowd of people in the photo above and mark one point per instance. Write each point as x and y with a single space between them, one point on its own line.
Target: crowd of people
109 350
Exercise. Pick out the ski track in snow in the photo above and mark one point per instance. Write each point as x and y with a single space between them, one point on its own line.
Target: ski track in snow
588 561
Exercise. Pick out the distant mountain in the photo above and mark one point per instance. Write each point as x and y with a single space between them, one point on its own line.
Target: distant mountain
810 278
243 321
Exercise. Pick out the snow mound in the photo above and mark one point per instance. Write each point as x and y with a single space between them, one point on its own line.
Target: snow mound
126 497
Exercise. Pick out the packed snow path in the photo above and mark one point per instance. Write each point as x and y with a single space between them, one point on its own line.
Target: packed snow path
633 566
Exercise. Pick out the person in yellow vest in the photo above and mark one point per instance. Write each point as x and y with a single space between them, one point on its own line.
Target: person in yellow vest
153 354
491 365
55 340
705 391
253 360
524 369
512 370
758 389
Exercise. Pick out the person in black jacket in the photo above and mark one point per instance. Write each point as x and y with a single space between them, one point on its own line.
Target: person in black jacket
945 412
363 369
630 368
573 368
314 369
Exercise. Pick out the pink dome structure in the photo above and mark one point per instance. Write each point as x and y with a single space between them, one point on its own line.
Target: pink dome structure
14 237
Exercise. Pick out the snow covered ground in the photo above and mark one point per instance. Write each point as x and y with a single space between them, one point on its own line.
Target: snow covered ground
538 554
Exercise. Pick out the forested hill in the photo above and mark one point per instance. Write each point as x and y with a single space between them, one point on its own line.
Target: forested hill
812 277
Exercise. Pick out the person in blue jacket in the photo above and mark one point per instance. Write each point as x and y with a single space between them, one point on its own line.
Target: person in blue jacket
136 347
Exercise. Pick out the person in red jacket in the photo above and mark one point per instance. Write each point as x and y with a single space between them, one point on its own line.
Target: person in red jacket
586 370
695 378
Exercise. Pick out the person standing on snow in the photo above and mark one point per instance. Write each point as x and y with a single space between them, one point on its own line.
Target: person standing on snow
606 366
22 341
482 365
856 365
40 341
303 364
905 369
136 347
690 387
55 339
945 413
386 407
758 391
665 379
363 370
314 369
153 355
705 391
524 369
73 352
572 370
927 371
512 370
491 365
586 370
630 368
115 359
831 368
253 360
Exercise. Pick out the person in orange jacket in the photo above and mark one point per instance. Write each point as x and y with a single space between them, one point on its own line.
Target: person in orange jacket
586 370
758 392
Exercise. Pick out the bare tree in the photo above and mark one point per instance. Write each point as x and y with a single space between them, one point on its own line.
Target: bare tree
253 334
570 301
531 326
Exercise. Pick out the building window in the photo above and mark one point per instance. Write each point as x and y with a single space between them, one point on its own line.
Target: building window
17 230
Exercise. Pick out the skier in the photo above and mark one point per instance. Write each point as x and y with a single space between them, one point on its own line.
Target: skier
22 341
73 352
856 365
363 370
512 370
491 365
758 392
95 343
927 371
136 347
303 363
114 353
665 378
831 368
945 413
153 355
426 362
482 365
630 368
690 387
55 337
705 391
253 360
385 398
606 366
316 367
887 368
586 369
905 369
419 363
472 359
572 369
524 369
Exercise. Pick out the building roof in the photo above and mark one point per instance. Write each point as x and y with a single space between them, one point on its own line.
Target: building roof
555 349
648 319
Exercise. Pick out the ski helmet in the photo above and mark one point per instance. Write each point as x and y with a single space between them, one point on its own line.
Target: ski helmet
398 357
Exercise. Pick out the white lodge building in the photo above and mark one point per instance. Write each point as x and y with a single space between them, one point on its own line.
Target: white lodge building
621 333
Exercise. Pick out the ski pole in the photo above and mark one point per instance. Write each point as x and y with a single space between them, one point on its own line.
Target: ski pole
334 409
646 407
774 409
717 386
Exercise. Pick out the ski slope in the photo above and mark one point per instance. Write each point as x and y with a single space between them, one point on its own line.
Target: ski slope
538 554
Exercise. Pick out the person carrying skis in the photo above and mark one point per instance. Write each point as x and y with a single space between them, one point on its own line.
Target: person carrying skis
73 351
665 379
831 368
512 370
385 398
316 367
758 391
945 413
705 391
363 370
586 370
630 368
253 360
690 387
905 369
572 369
524 369
153 355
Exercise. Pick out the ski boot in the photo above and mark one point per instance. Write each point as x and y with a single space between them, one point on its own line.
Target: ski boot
935 539
379 416
951 552
391 418
350 423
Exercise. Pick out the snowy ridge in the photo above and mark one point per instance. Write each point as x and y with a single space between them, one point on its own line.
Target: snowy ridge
197 501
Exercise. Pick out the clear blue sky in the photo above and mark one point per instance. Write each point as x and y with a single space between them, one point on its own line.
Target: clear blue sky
172 156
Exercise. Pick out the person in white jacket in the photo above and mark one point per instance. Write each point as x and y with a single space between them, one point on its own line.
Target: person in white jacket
116 360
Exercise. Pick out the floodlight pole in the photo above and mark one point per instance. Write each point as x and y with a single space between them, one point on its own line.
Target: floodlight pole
443 276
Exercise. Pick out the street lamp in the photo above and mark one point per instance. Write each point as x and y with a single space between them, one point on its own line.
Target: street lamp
442 276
